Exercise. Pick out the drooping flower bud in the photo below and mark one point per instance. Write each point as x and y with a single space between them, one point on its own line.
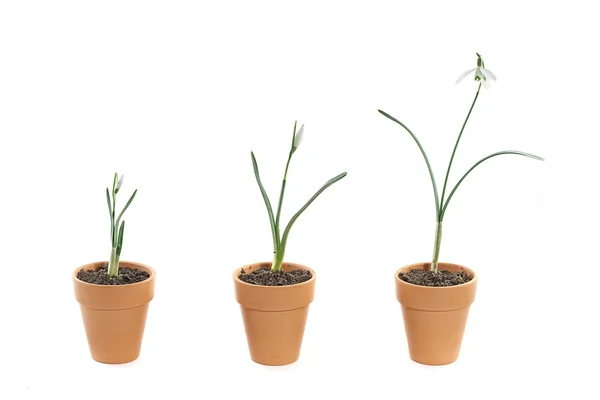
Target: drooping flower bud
119 184
482 75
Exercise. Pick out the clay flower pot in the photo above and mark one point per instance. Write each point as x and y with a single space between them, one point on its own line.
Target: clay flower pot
114 317
435 317
274 316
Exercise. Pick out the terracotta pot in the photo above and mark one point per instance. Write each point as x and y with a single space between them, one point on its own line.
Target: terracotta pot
114 317
435 317
274 316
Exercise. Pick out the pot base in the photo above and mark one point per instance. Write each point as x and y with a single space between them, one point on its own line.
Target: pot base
115 337
274 338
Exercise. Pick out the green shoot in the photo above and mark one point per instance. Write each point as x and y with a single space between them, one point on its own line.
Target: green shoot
280 241
117 227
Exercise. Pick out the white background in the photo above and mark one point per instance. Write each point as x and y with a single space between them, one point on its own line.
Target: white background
175 94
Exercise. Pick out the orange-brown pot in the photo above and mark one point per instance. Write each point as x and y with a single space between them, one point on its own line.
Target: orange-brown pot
435 317
274 316
114 317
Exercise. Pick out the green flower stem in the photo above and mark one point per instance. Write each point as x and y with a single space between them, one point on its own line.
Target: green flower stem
440 214
455 147
283 183
436 247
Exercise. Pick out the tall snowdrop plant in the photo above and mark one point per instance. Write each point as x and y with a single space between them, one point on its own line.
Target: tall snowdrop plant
280 240
117 227
482 77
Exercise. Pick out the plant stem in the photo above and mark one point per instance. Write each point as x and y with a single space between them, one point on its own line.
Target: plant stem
436 247
113 265
278 257
278 260
456 146
283 183
112 220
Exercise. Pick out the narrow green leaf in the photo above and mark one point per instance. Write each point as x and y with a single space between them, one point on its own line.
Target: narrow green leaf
120 241
308 203
515 152
110 213
126 205
267 203
435 191
109 205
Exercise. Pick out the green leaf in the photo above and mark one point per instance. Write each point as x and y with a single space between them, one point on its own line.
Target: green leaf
109 205
267 203
126 205
435 191
515 152
110 212
308 203
120 241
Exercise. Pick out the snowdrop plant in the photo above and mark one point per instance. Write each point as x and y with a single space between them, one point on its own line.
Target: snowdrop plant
280 240
117 227
482 77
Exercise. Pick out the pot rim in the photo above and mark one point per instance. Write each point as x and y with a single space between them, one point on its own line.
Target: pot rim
471 282
79 281
237 272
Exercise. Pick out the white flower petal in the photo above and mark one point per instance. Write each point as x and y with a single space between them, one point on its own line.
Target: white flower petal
485 83
464 75
119 183
480 74
299 136
489 74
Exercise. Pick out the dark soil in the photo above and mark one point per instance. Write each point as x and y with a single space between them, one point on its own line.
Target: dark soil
443 277
100 277
264 277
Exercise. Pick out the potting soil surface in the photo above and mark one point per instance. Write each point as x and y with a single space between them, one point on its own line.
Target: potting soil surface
100 277
443 277
264 277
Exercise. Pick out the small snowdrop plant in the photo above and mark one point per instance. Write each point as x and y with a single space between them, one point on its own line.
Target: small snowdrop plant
117 227
279 239
482 77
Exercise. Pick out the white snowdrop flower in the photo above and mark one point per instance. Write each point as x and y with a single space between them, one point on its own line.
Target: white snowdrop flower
481 74
119 183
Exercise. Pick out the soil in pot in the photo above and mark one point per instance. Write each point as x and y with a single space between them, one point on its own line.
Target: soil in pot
264 277
442 278
100 276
